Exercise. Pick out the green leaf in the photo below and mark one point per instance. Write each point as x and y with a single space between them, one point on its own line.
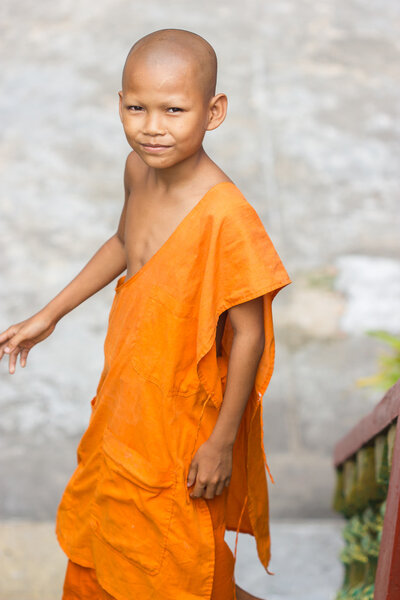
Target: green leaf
389 364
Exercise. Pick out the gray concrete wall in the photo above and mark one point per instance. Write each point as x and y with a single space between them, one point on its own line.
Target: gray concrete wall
312 140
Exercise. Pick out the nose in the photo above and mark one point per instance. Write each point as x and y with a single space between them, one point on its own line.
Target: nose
153 124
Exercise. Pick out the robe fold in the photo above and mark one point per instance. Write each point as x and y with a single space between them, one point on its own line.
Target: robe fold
126 510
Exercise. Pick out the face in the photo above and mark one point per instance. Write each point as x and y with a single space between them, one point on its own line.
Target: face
163 111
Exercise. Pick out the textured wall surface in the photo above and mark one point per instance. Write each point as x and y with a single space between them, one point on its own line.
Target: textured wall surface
311 139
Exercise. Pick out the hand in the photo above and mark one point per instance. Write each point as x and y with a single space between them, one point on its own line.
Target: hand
210 470
21 337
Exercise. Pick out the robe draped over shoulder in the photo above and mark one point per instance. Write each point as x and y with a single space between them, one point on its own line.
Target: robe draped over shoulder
126 510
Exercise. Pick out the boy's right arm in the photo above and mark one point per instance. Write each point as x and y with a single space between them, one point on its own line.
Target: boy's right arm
108 262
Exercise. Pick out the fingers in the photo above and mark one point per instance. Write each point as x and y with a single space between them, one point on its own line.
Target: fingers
220 488
208 473
7 334
13 360
5 338
208 489
192 474
14 357
14 342
201 486
23 357
10 346
201 489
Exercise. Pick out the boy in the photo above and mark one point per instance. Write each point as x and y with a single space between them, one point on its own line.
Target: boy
173 454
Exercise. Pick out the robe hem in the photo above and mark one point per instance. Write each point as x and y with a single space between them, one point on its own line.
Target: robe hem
263 543
67 549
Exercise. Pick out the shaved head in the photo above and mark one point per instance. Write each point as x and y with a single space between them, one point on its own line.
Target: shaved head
178 47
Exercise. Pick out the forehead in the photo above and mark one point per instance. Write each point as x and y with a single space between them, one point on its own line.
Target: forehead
162 75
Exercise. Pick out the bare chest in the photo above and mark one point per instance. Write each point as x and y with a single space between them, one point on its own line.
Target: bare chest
148 226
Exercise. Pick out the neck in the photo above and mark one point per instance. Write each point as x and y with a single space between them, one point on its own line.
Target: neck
170 178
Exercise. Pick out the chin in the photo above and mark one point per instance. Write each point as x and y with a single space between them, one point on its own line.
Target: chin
157 162
160 162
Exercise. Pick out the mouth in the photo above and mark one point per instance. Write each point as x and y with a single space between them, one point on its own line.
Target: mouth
154 147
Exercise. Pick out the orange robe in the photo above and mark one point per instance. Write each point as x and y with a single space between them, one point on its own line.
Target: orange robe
126 511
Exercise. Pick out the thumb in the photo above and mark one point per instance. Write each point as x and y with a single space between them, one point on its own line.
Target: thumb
192 474
12 344
10 347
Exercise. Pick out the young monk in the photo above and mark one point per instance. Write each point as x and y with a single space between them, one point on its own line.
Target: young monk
173 453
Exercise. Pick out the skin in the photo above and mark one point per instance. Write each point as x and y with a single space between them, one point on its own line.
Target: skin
168 98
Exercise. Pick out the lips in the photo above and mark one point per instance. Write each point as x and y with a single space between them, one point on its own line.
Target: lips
154 148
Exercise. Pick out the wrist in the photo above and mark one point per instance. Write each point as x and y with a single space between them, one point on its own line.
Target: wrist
223 441
49 314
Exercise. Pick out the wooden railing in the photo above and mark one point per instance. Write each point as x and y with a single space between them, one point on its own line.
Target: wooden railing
367 463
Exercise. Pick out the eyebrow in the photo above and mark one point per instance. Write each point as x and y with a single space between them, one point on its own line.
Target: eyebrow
170 101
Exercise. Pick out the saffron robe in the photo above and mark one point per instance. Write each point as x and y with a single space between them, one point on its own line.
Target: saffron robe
126 510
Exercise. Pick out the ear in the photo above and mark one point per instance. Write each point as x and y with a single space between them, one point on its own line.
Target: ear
120 104
217 111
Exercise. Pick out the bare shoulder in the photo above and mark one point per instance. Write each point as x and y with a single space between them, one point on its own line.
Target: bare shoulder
207 181
134 169
214 177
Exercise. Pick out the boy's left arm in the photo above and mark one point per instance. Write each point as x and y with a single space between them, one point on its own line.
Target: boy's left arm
211 466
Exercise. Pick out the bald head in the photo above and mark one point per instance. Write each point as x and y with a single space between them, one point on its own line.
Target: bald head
181 48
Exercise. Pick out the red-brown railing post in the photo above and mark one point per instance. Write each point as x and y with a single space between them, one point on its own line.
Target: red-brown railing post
387 580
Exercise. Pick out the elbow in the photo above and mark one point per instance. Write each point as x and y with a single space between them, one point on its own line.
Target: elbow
254 340
260 343
119 237
257 341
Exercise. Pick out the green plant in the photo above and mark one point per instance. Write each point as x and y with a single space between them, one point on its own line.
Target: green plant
389 364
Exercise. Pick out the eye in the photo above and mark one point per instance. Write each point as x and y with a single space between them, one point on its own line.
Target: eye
175 109
134 108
